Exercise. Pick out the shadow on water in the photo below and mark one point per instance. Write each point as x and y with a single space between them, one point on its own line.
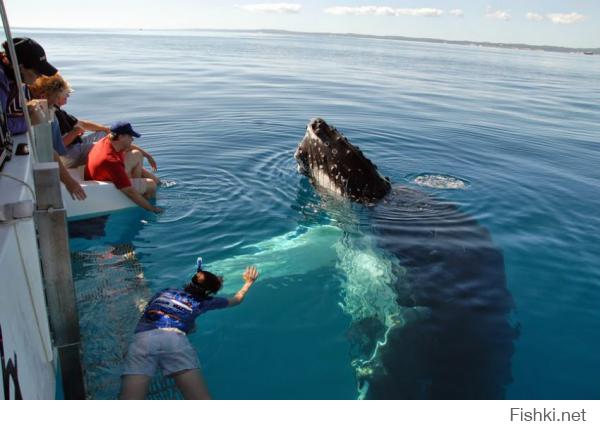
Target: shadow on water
118 227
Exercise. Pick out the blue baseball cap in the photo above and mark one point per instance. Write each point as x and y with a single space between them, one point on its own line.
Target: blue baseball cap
123 127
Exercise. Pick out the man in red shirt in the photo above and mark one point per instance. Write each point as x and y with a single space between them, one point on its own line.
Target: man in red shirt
111 158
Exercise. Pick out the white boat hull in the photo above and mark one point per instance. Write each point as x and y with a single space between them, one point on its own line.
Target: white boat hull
28 357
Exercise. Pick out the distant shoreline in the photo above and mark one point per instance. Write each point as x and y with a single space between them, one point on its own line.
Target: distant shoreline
522 46
549 48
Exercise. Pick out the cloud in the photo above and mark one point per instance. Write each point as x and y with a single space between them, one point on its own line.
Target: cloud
361 10
565 18
457 13
382 11
532 16
271 7
502 15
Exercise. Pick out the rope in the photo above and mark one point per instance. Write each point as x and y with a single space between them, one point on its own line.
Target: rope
21 181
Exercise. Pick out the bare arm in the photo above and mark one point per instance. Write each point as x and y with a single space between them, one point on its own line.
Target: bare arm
80 128
140 200
69 137
146 156
92 126
249 276
72 186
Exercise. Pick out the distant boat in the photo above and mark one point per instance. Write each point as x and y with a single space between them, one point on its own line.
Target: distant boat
588 53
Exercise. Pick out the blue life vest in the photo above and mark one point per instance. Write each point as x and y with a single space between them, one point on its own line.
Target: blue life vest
173 308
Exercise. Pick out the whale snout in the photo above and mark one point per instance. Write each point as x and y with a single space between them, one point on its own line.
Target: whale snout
332 163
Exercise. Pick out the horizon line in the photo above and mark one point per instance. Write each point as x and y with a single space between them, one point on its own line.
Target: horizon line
373 36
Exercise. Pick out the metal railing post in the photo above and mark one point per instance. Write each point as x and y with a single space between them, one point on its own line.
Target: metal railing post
53 241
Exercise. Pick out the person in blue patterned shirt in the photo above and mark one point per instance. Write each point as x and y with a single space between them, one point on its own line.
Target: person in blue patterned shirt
160 336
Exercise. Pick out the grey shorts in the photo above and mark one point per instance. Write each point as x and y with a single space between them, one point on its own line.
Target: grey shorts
77 153
169 350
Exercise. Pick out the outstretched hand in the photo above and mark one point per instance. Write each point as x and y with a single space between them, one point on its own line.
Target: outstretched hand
251 274
75 189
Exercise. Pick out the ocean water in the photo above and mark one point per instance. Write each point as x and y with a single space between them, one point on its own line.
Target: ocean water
510 136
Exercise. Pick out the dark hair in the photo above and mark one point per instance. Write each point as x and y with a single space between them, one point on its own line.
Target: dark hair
203 290
6 65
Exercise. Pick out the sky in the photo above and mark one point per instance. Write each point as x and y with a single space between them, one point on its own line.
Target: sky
570 23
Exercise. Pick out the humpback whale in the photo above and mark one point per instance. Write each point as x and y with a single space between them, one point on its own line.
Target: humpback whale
462 347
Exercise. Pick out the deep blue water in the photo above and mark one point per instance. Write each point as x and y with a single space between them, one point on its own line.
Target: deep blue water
222 114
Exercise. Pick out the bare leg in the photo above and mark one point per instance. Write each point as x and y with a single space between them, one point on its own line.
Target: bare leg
192 385
134 163
150 188
134 387
150 175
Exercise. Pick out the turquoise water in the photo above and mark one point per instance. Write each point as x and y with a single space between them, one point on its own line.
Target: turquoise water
222 114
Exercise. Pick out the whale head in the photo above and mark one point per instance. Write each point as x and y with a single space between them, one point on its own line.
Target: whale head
336 166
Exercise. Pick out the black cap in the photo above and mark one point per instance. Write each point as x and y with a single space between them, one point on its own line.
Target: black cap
32 56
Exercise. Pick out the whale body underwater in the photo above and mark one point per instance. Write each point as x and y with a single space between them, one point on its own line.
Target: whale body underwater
462 348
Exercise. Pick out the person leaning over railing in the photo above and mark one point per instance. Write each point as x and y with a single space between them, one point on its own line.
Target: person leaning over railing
56 90
78 145
32 64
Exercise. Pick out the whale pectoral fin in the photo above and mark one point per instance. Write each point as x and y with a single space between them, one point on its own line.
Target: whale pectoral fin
295 253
